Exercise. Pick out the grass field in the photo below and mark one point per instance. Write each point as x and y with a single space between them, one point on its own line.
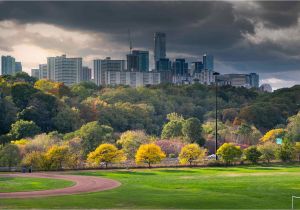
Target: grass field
210 188
18 184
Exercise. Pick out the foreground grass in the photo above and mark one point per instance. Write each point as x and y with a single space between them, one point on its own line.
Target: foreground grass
18 184
210 188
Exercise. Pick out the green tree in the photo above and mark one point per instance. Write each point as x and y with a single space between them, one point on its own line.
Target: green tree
131 141
192 131
293 128
286 151
267 150
228 152
22 129
67 120
21 93
93 134
9 155
252 154
7 114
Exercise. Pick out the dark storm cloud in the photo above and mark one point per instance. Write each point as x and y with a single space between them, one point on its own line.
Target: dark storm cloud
192 28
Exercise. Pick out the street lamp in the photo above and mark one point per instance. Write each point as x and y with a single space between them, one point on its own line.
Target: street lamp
216 85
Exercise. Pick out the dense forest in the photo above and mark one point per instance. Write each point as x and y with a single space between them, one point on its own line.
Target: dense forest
42 117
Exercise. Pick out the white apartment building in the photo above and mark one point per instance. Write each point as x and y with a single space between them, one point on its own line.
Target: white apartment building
204 77
35 73
103 65
63 69
43 71
133 79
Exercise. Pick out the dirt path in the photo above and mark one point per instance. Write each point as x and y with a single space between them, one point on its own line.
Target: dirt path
83 184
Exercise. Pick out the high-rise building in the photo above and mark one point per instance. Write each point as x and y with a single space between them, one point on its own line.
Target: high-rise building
138 60
239 80
197 67
43 71
163 64
86 74
8 65
35 73
180 67
63 69
103 65
18 67
208 62
159 46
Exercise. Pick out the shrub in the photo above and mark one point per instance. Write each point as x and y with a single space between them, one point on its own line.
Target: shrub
267 151
252 154
228 152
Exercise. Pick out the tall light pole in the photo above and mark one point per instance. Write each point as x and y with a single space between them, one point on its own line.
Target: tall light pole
216 85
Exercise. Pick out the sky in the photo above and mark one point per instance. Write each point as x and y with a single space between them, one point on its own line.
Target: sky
244 37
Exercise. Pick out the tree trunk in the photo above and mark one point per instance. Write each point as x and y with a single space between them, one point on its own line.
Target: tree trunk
106 165
149 164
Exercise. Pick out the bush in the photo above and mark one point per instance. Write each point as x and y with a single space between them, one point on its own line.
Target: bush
286 152
252 154
228 152
267 150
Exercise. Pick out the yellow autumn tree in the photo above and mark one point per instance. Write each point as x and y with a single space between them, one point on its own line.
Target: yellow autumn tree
57 156
271 135
191 153
149 154
106 153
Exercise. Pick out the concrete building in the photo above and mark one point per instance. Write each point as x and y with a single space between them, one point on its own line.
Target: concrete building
18 67
138 60
86 74
63 69
204 77
159 46
163 64
35 73
43 71
8 65
103 65
180 67
208 62
239 80
133 79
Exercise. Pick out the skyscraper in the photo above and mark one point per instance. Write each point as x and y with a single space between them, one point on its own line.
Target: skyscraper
208 62
103 65
138 60
8 65
180 67
63 69
159 46
164 64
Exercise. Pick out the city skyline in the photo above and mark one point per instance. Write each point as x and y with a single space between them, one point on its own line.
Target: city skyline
241 42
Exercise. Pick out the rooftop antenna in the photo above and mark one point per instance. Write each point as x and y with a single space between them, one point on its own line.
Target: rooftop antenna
130 42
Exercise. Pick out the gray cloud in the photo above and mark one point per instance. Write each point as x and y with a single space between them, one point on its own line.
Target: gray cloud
193 28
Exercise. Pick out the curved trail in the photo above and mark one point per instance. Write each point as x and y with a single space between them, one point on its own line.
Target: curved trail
83 184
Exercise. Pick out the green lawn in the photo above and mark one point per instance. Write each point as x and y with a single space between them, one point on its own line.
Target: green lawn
17 184
210 188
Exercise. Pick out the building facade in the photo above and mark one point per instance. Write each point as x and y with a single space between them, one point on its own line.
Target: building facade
86 74
208 62
63 69
43 71
180 67
138 60
159 46
18 67
8 65
35 73
240 80
131 78
204 77
103 65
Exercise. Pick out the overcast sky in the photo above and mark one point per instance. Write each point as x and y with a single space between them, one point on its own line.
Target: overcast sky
244 37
